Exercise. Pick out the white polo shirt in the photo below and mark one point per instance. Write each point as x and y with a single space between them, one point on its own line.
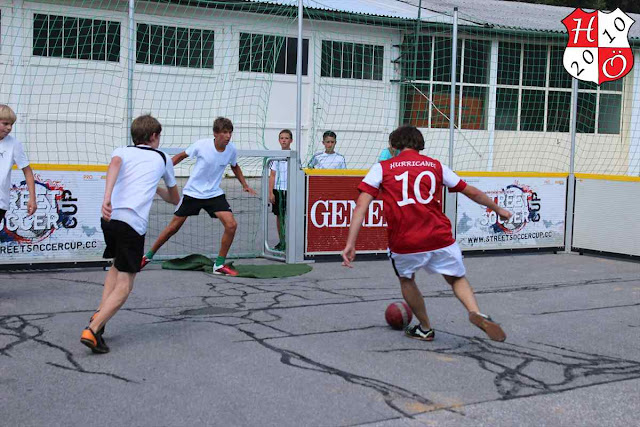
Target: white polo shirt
206 175
136 184
328 161
11 152
280 167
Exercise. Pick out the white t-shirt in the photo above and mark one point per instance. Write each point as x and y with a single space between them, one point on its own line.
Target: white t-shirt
280 167
204 182
136 184
11 152
328 161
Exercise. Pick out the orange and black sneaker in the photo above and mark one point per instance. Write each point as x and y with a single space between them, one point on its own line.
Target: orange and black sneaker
491 328
94 341
225 270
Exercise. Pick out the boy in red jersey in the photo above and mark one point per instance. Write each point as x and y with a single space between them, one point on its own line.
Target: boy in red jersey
420 236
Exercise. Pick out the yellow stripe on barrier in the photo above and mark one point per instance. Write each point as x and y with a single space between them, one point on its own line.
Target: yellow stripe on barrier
363 172
608 177
514 174
78 168
336 172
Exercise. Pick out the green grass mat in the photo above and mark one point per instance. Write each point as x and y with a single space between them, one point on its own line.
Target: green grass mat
197 262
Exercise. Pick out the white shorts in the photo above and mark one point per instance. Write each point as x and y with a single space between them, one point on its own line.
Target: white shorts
441 261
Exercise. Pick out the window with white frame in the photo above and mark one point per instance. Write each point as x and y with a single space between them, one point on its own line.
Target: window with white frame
351 60
260 53
534 93
427 71
174 46
76 38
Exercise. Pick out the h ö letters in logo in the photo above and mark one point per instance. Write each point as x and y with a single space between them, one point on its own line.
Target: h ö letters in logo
598 49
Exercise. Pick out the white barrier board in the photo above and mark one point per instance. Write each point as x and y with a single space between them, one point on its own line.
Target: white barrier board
66 225
538 207
606 217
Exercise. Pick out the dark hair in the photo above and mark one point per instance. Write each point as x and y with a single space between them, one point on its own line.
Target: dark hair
406 137
143 127
286 131
330 133
222 123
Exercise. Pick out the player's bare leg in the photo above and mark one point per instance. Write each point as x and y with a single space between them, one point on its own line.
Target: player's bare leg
109 285
414 298
176 223
114 299
463 291
230 226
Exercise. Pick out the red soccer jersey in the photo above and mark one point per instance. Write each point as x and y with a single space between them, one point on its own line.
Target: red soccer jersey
410 186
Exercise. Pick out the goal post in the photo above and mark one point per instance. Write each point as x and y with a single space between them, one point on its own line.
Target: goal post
257 228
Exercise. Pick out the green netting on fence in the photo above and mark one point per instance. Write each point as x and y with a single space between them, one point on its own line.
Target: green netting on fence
76 72
67 75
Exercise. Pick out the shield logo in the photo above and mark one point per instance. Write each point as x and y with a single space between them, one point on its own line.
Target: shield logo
598 48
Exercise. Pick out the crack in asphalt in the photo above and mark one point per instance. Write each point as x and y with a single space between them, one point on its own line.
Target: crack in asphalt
514 374
512 366
24 330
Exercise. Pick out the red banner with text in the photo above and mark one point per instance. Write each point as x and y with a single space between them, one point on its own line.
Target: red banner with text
330 204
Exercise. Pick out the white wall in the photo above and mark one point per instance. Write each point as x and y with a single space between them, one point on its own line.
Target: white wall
361 112
75 111
595 227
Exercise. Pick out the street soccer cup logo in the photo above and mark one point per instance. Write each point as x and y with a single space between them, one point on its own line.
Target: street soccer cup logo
598 48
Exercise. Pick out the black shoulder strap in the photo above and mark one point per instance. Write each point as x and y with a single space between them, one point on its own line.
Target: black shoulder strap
164 157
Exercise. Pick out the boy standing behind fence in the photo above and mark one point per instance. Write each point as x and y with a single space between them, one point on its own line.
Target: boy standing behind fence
11 152
329 159
132 181
278 187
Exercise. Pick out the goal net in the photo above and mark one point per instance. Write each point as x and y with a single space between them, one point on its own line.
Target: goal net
78 72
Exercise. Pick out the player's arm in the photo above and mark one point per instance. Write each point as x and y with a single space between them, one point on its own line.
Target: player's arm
169 195
272 183
362 205
245 187
20 159
179 157
481 198
112 176
31 185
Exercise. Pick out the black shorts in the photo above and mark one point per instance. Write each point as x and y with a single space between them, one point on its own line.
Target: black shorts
191 206
280 205
2 213
124 245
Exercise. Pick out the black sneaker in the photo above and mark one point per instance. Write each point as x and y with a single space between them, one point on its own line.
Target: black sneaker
94 341
416 332
491 328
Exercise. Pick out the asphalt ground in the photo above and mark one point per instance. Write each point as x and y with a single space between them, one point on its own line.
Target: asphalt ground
189 348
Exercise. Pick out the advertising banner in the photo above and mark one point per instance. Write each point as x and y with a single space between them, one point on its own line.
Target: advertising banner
66 225
538 207
330 204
